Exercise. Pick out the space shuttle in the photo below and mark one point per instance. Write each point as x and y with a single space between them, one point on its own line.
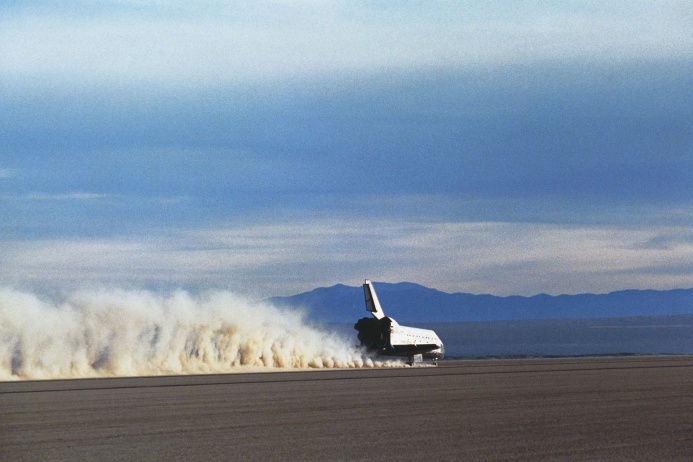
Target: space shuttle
384 336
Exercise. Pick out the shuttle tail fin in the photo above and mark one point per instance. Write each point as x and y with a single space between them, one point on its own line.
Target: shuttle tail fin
372 303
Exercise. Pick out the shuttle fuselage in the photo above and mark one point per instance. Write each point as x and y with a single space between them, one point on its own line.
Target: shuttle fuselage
383 335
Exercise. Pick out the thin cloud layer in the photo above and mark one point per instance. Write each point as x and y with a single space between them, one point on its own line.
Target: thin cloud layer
498 258
205 44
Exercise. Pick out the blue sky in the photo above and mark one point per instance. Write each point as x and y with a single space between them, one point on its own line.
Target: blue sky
273 147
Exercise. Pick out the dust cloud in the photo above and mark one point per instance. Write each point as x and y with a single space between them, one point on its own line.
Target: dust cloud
114 332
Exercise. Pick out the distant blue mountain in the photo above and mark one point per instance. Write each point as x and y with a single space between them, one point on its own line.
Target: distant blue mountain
409 302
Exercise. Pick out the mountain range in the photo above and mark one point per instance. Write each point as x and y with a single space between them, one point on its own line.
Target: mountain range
414 303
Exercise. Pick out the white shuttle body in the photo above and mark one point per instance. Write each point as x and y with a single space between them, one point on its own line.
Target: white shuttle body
384 336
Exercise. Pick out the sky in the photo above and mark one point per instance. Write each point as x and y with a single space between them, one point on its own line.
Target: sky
272 147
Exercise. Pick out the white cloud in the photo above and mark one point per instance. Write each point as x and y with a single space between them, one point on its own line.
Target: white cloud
249 43
79 196
497 258
7 173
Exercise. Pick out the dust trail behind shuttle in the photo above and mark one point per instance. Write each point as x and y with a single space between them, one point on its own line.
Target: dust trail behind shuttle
111 332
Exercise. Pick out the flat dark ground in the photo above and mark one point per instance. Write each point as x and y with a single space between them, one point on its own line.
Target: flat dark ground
621 408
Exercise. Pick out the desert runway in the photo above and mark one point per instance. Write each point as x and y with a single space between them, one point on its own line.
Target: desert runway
625 408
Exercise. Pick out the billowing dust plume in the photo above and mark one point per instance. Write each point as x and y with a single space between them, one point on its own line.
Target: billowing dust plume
129 333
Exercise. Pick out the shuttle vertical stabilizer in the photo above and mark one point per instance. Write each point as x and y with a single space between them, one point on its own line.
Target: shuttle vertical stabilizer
372 303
